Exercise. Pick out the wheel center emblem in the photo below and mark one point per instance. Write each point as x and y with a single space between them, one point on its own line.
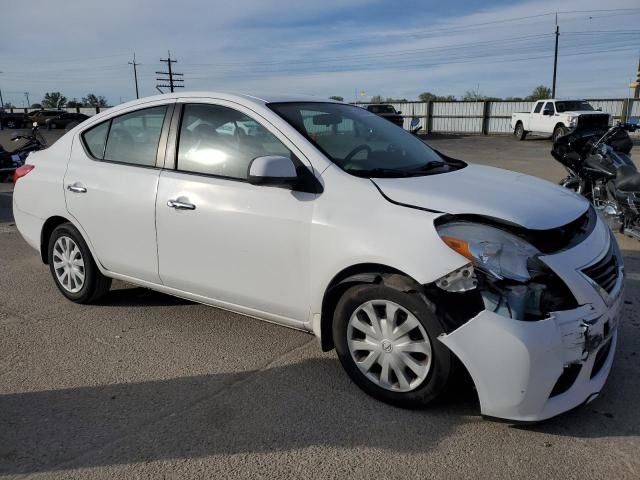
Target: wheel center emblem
387 346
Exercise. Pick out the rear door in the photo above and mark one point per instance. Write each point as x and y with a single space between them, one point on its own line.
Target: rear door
110 187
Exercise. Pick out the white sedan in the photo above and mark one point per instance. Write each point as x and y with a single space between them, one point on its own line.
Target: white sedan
326 218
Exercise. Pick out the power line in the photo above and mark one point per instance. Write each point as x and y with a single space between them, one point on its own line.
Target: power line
173 82
135 73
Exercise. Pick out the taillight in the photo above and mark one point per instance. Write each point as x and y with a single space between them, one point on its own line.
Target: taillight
22 171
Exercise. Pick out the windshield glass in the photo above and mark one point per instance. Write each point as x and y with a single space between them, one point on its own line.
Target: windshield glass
362 143
573 106
381 109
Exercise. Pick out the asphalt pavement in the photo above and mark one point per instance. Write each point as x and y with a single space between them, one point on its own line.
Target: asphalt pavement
145 385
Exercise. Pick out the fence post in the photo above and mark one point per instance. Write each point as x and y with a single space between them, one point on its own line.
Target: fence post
429 117
626 110
485 117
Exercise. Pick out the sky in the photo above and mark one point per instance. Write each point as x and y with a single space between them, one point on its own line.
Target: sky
354 49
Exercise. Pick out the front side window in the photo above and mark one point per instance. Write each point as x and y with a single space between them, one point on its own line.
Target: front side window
220 141
361 142
133 138
549 107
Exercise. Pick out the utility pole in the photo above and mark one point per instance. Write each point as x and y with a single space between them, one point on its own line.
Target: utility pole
555 60
135 73
173 82
26 94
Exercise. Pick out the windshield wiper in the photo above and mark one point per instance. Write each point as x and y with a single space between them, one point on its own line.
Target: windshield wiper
429 166
382 172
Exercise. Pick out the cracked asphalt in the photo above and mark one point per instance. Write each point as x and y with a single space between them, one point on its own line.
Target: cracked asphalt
145 385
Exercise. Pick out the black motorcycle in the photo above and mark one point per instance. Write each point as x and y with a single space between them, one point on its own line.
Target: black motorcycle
9 161
600 168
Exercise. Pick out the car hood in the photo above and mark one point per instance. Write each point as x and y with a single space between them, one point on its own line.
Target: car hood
499 194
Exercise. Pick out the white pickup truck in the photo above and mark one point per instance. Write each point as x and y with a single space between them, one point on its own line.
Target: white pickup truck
556 118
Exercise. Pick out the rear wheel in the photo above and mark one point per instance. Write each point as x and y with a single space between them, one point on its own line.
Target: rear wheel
519 132
11 124
559 131
387 342
73 267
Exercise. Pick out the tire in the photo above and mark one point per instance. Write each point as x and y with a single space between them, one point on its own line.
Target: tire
519 131
559 131
11 124
433 360
67 247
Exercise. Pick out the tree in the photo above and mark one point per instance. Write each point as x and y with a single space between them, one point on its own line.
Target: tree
337 98
92 100
473 95
539 93
396 100
36 105
432 97
376 99
53 100
514 99
74 103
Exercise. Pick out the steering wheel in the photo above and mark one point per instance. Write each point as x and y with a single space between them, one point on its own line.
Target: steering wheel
355 151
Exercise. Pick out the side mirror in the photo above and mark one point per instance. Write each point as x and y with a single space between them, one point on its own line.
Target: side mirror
547 112
399 113
272 170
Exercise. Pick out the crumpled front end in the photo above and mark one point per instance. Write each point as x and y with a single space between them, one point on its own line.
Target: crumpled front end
529 370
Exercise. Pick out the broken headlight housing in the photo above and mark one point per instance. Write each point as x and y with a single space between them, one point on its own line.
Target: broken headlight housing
491 250
511 279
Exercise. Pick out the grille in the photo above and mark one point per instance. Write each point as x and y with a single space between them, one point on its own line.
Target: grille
605 272
593 121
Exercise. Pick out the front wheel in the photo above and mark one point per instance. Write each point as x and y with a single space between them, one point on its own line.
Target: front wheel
73 268
558 132
386 341
519 132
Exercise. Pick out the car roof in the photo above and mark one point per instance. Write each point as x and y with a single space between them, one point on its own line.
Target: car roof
234 96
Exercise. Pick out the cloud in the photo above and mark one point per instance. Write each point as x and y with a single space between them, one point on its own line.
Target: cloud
324 48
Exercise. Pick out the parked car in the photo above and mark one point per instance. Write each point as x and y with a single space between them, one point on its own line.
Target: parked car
65 120
556 118
325 218
13 120
41 116
388 112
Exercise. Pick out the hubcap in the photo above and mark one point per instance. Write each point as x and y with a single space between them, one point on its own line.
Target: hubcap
389 345
68 264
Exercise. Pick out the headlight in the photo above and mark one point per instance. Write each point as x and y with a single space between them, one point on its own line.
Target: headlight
573 121
490 249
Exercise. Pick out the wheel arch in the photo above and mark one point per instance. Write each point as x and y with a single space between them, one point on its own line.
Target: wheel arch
363 273
559 124
47 229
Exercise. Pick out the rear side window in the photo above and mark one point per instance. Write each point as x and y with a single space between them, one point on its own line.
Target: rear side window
538 107
132 138
95 139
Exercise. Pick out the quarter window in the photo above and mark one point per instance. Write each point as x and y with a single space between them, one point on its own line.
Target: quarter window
95 139
220 141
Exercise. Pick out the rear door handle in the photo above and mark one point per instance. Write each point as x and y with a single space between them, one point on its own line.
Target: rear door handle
75 188
180 205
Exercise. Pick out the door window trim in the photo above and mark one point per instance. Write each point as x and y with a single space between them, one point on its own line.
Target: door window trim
162 141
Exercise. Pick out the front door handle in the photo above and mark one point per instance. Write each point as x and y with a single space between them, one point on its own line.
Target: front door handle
75 188
180 205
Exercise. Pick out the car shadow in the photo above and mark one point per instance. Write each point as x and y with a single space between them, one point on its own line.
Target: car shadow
305 404
131 296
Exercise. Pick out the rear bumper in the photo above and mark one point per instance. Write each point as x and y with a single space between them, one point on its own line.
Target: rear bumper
29 226
527 371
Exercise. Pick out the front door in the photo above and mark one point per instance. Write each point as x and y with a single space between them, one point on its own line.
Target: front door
243 246
110 189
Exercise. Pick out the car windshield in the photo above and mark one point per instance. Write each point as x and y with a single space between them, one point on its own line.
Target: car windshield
381 109
361 143
574 106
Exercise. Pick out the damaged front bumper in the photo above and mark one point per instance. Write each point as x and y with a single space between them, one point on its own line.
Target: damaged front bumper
528 371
